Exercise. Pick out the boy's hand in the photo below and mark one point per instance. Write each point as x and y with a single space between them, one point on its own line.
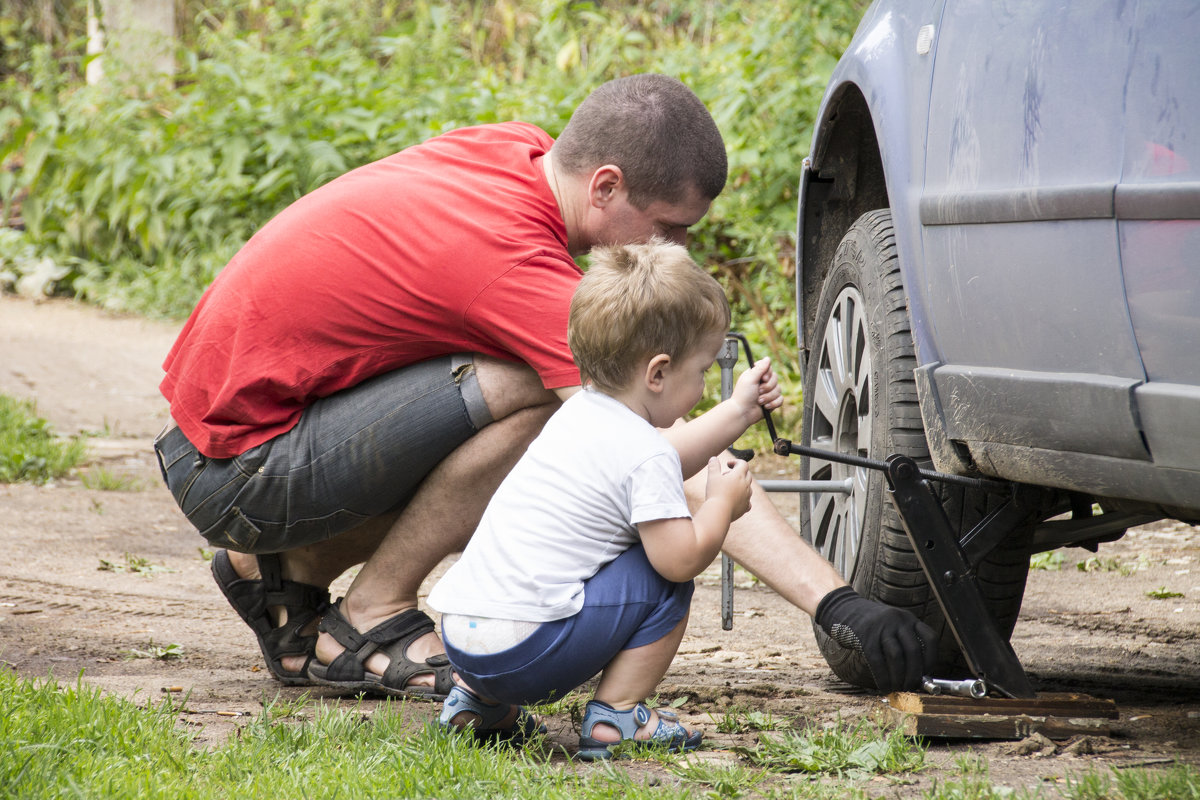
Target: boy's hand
757 387
729 478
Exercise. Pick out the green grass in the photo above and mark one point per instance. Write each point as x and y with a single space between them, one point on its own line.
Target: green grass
133 563
29 450
741 720
106 480
69 740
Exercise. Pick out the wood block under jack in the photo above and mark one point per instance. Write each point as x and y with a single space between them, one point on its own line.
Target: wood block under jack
1054 715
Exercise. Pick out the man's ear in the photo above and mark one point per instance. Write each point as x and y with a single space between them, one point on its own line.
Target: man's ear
607 183
656 372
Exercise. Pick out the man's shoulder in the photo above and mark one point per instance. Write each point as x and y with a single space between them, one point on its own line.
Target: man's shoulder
517 132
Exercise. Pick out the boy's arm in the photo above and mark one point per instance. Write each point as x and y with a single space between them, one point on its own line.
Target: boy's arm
679 549
708 434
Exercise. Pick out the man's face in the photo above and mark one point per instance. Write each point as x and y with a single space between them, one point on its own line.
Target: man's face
616 221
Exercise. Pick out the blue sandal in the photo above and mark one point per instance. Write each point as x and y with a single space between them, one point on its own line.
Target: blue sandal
524 727
669 731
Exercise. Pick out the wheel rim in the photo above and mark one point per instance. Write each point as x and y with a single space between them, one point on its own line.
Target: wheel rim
841 422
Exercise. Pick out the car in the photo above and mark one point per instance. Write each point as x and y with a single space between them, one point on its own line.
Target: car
998 276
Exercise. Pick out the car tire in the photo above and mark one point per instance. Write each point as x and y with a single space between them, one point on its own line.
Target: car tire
860 397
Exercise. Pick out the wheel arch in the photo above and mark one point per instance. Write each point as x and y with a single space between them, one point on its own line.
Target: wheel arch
842 180
868 152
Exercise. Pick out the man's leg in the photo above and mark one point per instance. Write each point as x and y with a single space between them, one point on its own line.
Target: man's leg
400 550
764 543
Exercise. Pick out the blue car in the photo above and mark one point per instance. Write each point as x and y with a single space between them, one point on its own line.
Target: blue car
999 277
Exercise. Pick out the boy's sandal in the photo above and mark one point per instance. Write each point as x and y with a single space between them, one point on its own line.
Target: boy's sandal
392 638
252 599
460 701
669 731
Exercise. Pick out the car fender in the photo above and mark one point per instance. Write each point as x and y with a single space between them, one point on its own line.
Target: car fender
881 83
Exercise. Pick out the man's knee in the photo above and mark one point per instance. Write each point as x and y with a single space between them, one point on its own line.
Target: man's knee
509 386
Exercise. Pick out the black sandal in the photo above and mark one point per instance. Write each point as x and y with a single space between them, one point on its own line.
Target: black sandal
391 637
252 600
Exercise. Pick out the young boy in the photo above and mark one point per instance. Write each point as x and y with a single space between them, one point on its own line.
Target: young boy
584 559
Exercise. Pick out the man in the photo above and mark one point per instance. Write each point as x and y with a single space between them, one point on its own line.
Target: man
358 380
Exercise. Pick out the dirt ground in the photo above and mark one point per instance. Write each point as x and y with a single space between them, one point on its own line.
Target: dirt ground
63 613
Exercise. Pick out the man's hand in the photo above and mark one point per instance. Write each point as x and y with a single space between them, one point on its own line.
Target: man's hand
898 647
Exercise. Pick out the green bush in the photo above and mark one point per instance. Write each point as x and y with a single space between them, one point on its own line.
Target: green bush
145 192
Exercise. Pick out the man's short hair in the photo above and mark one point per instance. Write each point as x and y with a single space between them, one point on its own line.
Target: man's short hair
656 130
636 301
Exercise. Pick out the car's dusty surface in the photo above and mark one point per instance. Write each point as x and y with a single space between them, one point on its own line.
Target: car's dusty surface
100 582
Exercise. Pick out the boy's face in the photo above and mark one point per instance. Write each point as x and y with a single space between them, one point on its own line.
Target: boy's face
683 381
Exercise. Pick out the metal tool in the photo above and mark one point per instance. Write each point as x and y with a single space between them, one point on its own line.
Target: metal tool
727 358
971 687
948 561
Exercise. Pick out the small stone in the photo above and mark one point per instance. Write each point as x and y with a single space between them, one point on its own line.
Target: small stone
1083 746
1035 745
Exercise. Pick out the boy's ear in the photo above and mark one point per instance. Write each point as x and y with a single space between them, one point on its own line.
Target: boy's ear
656 372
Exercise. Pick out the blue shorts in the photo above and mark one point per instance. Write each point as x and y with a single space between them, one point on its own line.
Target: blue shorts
626 605
352 456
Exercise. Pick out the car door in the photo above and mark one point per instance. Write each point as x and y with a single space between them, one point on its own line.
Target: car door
1158 218
1023 278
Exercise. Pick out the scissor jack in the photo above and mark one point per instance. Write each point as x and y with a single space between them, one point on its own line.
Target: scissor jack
950 563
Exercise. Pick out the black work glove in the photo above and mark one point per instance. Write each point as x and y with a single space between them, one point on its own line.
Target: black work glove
898 647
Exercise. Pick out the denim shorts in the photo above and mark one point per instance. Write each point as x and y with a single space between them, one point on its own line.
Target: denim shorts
626 604
352 456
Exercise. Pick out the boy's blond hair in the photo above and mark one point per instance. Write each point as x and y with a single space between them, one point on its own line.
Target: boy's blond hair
637 301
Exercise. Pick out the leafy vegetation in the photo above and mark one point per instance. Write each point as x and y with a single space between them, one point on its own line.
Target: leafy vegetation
853 749
144 192
29 450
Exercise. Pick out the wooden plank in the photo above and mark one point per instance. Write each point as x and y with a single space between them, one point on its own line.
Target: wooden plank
995 726
1044 705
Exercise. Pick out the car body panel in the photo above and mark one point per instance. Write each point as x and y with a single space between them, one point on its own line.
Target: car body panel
1041 165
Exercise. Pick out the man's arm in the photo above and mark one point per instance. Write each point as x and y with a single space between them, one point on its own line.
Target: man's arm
898 647
763 542
566 391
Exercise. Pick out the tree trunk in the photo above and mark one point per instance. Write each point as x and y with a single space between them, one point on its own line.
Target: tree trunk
138 37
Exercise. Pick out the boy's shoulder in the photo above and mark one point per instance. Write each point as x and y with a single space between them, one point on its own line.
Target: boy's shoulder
594 417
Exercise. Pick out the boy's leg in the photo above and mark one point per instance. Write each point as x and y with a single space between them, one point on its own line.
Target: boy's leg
465 708
628 609
632 676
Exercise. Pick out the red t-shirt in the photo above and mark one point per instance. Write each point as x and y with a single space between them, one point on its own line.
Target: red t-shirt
454 245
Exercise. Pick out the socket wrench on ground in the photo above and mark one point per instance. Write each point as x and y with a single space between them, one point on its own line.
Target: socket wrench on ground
972 687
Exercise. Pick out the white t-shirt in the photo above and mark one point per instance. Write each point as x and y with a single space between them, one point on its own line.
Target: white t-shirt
569 506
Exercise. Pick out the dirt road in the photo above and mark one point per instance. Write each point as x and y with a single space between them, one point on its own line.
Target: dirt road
99 582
